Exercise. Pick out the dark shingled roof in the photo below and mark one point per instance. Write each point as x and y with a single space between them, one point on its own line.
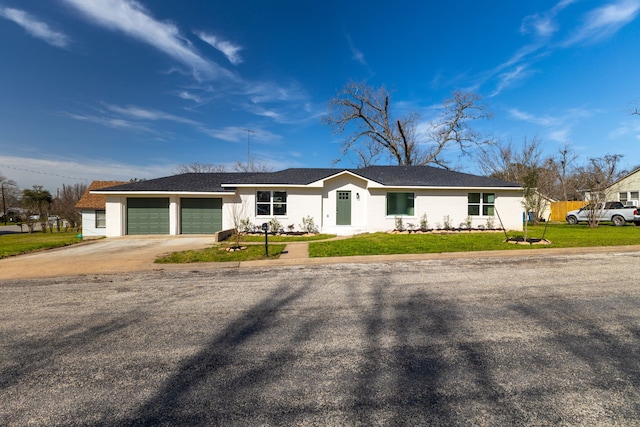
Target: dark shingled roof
189 182
428 176
392 176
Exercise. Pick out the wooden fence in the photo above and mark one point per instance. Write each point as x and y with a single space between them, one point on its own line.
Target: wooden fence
559 209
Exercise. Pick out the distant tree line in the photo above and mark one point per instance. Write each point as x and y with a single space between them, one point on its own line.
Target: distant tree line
37 206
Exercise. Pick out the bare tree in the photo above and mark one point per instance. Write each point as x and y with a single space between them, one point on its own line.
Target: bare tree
562 165
596 178
251 166
367 110
9 197
525 166
196 167
64 204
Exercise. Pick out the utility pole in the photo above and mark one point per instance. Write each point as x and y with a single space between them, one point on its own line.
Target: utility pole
4 205
249 132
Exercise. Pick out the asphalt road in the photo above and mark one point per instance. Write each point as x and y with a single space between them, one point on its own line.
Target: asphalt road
530 340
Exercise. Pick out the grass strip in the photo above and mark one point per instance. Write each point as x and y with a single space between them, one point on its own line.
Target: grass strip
284 238
219 254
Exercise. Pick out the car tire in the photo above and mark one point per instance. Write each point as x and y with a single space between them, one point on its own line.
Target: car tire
637 223
572 220
618 221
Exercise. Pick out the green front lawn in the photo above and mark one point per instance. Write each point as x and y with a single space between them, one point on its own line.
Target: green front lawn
16 244
560 235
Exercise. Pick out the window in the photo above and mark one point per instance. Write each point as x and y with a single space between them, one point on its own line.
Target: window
271 203
101 219
481 204
400 204
634 195
623 197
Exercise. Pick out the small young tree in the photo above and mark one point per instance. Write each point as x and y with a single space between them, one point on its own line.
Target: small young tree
238 212
529 197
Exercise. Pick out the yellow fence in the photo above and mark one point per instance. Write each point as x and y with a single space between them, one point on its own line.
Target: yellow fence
559 209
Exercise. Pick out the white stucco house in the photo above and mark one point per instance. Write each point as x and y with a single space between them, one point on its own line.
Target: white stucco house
92 209
340 201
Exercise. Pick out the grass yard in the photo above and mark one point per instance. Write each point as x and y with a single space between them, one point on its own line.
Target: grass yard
16 244
561 236
219 254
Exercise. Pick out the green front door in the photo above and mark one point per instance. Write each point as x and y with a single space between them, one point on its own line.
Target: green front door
343 208
148 215
200 216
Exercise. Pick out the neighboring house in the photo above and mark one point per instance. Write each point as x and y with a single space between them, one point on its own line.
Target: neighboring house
626 189
340 201
92 209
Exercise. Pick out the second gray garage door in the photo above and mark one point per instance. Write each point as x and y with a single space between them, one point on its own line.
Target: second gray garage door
200 216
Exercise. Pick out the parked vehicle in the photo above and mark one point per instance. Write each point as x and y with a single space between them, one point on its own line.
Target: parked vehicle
614 212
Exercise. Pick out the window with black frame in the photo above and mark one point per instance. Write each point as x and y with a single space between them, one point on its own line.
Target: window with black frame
270 203
481 204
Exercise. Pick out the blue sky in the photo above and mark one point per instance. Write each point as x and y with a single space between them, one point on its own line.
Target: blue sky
116 89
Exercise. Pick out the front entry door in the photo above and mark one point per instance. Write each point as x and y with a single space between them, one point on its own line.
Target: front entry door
343 208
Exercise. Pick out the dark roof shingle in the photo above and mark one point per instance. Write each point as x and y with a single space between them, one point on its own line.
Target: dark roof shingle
392 176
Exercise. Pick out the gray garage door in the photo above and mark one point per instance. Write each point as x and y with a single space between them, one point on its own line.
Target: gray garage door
148 216
200 216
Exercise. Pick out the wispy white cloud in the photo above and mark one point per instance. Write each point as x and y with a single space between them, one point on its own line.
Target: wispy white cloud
598 24
230 50
111 122
558 128
356 53
239 134
544 24
509 78
604 21
138 113
626 129
131 18
35 27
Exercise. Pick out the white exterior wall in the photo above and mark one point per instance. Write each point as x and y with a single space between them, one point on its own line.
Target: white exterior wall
115 216
89 229
301 202
437 204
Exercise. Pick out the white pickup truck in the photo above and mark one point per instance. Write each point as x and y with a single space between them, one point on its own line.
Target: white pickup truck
614 212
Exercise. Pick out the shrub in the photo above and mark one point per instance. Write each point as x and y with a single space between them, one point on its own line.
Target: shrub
275 226
245 226
490 222
308 225
399 223
447 222
424 224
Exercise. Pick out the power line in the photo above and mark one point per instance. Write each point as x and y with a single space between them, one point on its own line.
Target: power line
46 173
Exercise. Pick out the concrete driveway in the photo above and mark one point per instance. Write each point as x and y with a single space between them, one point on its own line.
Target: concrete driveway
112 255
